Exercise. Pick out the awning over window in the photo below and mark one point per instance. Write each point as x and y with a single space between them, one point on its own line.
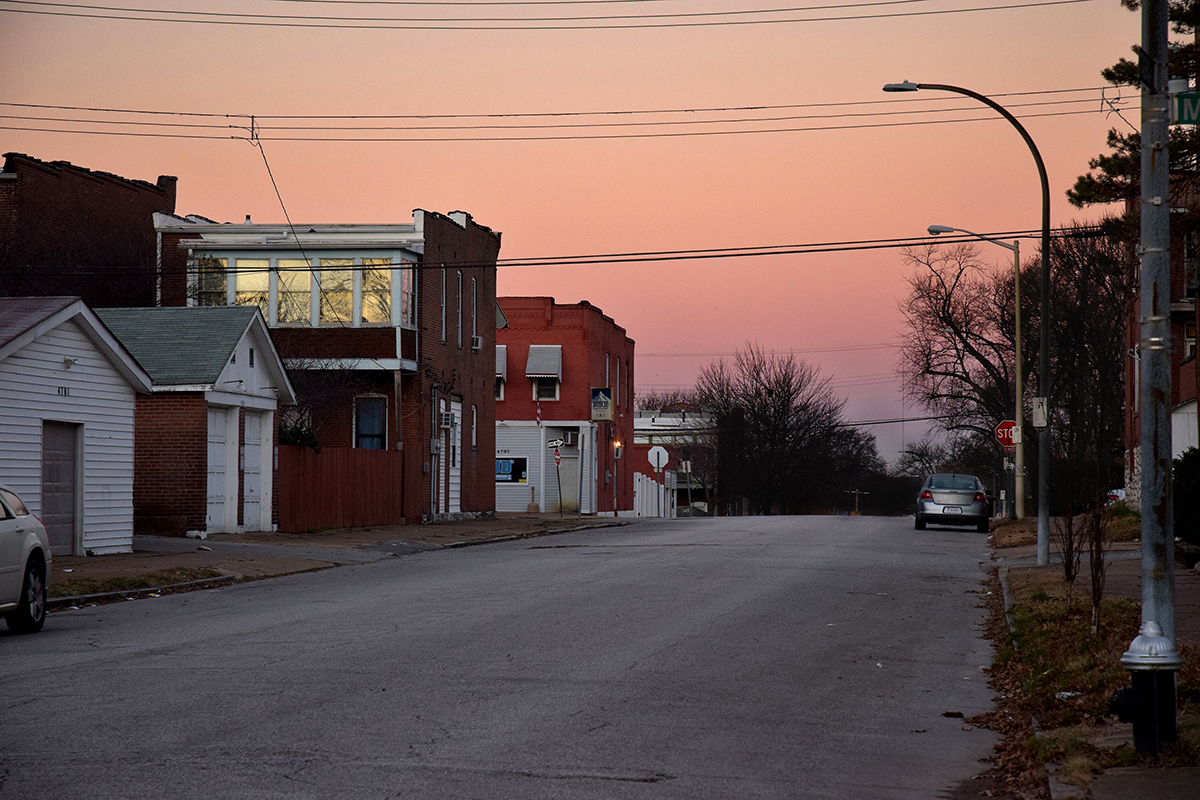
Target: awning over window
502 362
545 361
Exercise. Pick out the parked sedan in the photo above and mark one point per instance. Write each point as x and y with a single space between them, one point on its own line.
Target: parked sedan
24 565
949 499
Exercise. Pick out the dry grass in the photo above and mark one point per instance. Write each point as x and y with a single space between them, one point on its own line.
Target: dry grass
150 580
1054 679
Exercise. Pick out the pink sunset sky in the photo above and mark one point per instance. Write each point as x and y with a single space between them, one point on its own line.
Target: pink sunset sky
860 176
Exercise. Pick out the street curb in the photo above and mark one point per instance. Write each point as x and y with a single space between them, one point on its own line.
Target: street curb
55 603
513 537
59 603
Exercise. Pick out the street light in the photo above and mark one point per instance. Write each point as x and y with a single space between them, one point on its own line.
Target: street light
1040 405
1019 445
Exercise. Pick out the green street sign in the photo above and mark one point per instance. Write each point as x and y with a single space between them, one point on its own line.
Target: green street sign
1187 109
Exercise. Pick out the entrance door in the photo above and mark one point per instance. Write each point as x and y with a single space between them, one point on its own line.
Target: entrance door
455 435
58 486
252 473
214 521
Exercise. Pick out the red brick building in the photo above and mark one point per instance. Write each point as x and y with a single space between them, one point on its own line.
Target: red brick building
550 360
388 333
66 229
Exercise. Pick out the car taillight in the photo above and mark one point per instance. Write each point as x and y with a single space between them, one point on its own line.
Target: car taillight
926 495
979 498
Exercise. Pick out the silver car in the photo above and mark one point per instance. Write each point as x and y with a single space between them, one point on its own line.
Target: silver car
24 565
949 499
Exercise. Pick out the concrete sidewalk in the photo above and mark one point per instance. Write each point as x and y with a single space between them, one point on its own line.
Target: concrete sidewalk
261 555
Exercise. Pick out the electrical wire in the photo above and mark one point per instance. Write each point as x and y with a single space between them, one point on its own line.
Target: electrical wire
627 258
281 21
547 138
609 112
542 126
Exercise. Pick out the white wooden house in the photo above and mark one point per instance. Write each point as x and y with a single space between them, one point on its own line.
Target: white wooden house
67 394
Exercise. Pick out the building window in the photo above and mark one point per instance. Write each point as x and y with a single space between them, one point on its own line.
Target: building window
545 388
1189 339
474 428
370 423
376 291
628 386
617 393
293 288
443 304
408 297
212 282
499 388
252 283
337 289
460 304
341 290
474 308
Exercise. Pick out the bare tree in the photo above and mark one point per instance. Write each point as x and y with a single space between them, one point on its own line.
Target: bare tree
958 355
781 430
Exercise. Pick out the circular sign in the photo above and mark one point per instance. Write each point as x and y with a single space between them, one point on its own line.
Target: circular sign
1004 434
557 458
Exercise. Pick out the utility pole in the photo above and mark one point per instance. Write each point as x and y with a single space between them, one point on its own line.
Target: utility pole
1152 657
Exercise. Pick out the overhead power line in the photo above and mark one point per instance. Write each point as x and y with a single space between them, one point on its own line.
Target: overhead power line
528 126
618 22
527 114
611 259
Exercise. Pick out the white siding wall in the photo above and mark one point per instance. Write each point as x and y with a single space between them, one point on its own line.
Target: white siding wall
32 386
520 441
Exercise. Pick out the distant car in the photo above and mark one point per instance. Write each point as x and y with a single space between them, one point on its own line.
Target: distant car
24 565
950 499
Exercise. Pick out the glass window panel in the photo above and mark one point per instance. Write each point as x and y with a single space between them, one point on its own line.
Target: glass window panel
408 298
377 290
211 282
252 282
371 423
294 290
337 289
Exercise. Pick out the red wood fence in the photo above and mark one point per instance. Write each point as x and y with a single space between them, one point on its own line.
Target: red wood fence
340 487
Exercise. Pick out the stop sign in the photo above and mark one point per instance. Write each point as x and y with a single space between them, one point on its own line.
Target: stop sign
557 457
1004 434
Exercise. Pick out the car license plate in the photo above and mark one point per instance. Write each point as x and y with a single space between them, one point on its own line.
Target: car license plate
952 510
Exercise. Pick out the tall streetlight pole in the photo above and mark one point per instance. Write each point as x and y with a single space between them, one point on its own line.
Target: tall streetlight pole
1041 409
1019 410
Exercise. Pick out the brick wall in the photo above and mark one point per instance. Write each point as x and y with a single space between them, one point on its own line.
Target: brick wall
58 222
589 339
170 479
456 244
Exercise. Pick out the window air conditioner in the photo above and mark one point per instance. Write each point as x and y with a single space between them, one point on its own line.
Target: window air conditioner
571 437
446 419
476 342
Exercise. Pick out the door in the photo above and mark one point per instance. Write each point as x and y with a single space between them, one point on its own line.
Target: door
214 518
455 435
59 460
252 483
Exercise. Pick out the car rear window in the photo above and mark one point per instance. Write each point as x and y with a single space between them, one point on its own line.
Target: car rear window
954 482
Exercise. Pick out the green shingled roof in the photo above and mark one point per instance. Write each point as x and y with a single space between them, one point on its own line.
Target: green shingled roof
180 346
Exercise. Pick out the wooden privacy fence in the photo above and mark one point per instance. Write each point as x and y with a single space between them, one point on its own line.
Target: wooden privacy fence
339 487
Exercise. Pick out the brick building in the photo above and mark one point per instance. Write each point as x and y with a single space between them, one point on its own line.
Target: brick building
388 333
550 359
91 232
205 433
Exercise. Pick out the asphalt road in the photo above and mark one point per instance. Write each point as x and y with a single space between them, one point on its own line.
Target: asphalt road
801 657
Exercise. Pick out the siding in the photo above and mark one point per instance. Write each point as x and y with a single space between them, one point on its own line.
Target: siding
98 398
